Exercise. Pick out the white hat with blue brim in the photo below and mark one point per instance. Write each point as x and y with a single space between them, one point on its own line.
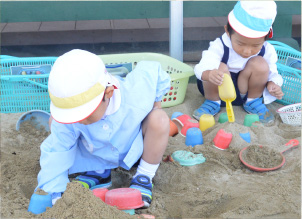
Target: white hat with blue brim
76 85
253 19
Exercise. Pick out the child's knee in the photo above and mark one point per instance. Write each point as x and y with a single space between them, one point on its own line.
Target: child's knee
258 65
158 120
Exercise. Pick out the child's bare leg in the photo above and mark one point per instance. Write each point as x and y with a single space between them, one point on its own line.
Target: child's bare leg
253 77
212 103
211 90
156 128
156 133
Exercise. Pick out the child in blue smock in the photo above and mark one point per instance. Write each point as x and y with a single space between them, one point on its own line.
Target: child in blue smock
243 53
100 122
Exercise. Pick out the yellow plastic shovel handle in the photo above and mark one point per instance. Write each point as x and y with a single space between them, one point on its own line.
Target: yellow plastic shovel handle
229 110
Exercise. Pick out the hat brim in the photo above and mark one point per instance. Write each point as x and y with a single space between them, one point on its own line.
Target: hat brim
243 30
76 114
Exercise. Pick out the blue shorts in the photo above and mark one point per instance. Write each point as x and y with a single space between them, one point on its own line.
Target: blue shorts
238 101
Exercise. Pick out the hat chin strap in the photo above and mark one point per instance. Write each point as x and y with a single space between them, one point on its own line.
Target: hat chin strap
271 34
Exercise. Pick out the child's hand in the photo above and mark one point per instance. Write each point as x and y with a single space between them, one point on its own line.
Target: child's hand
216 77
275 90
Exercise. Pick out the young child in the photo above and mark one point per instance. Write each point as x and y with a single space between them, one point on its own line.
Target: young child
242 52
100 122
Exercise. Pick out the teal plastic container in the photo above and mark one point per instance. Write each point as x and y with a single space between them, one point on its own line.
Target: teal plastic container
291 76
22 93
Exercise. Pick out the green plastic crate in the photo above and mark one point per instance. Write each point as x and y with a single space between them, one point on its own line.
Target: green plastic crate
179 72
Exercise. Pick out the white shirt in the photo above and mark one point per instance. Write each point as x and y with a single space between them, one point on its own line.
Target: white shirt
211 59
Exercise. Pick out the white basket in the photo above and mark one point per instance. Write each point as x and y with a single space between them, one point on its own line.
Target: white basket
291 114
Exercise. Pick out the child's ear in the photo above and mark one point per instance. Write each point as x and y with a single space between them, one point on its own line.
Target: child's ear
109 92
226 30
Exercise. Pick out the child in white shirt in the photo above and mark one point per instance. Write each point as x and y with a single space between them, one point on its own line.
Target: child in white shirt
243 53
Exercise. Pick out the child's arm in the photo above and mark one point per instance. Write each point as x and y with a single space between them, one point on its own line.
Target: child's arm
272 58
275 80
57 156
210 60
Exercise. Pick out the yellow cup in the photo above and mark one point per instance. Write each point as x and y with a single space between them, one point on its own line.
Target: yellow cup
206 121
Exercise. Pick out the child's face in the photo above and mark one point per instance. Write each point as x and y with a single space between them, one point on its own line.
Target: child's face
96 115
245 47
101 109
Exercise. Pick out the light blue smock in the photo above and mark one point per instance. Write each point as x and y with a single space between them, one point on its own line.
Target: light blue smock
115 140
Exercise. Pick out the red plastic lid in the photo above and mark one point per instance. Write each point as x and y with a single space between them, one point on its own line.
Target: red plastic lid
100 193
124 198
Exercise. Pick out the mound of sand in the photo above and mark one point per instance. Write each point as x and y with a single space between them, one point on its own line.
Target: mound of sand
79 202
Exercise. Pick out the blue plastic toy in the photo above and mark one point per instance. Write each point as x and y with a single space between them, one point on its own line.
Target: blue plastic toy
246 137
194 137
39 203
176 114
130 211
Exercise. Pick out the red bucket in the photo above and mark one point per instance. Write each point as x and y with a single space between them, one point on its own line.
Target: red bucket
222 139
190 123
124 198
100 193
180 121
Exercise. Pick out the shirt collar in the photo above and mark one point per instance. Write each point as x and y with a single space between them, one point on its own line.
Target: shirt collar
115 100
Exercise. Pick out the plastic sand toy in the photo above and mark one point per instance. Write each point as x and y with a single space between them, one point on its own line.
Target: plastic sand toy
252 156
176 114
249 119
37 118
227 93
187 158
222 139
246 137
181 120
100 193
223 117
206 121
126 199
38 203
194 137
173 129
191 123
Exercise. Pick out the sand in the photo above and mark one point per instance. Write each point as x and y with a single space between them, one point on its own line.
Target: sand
221 187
